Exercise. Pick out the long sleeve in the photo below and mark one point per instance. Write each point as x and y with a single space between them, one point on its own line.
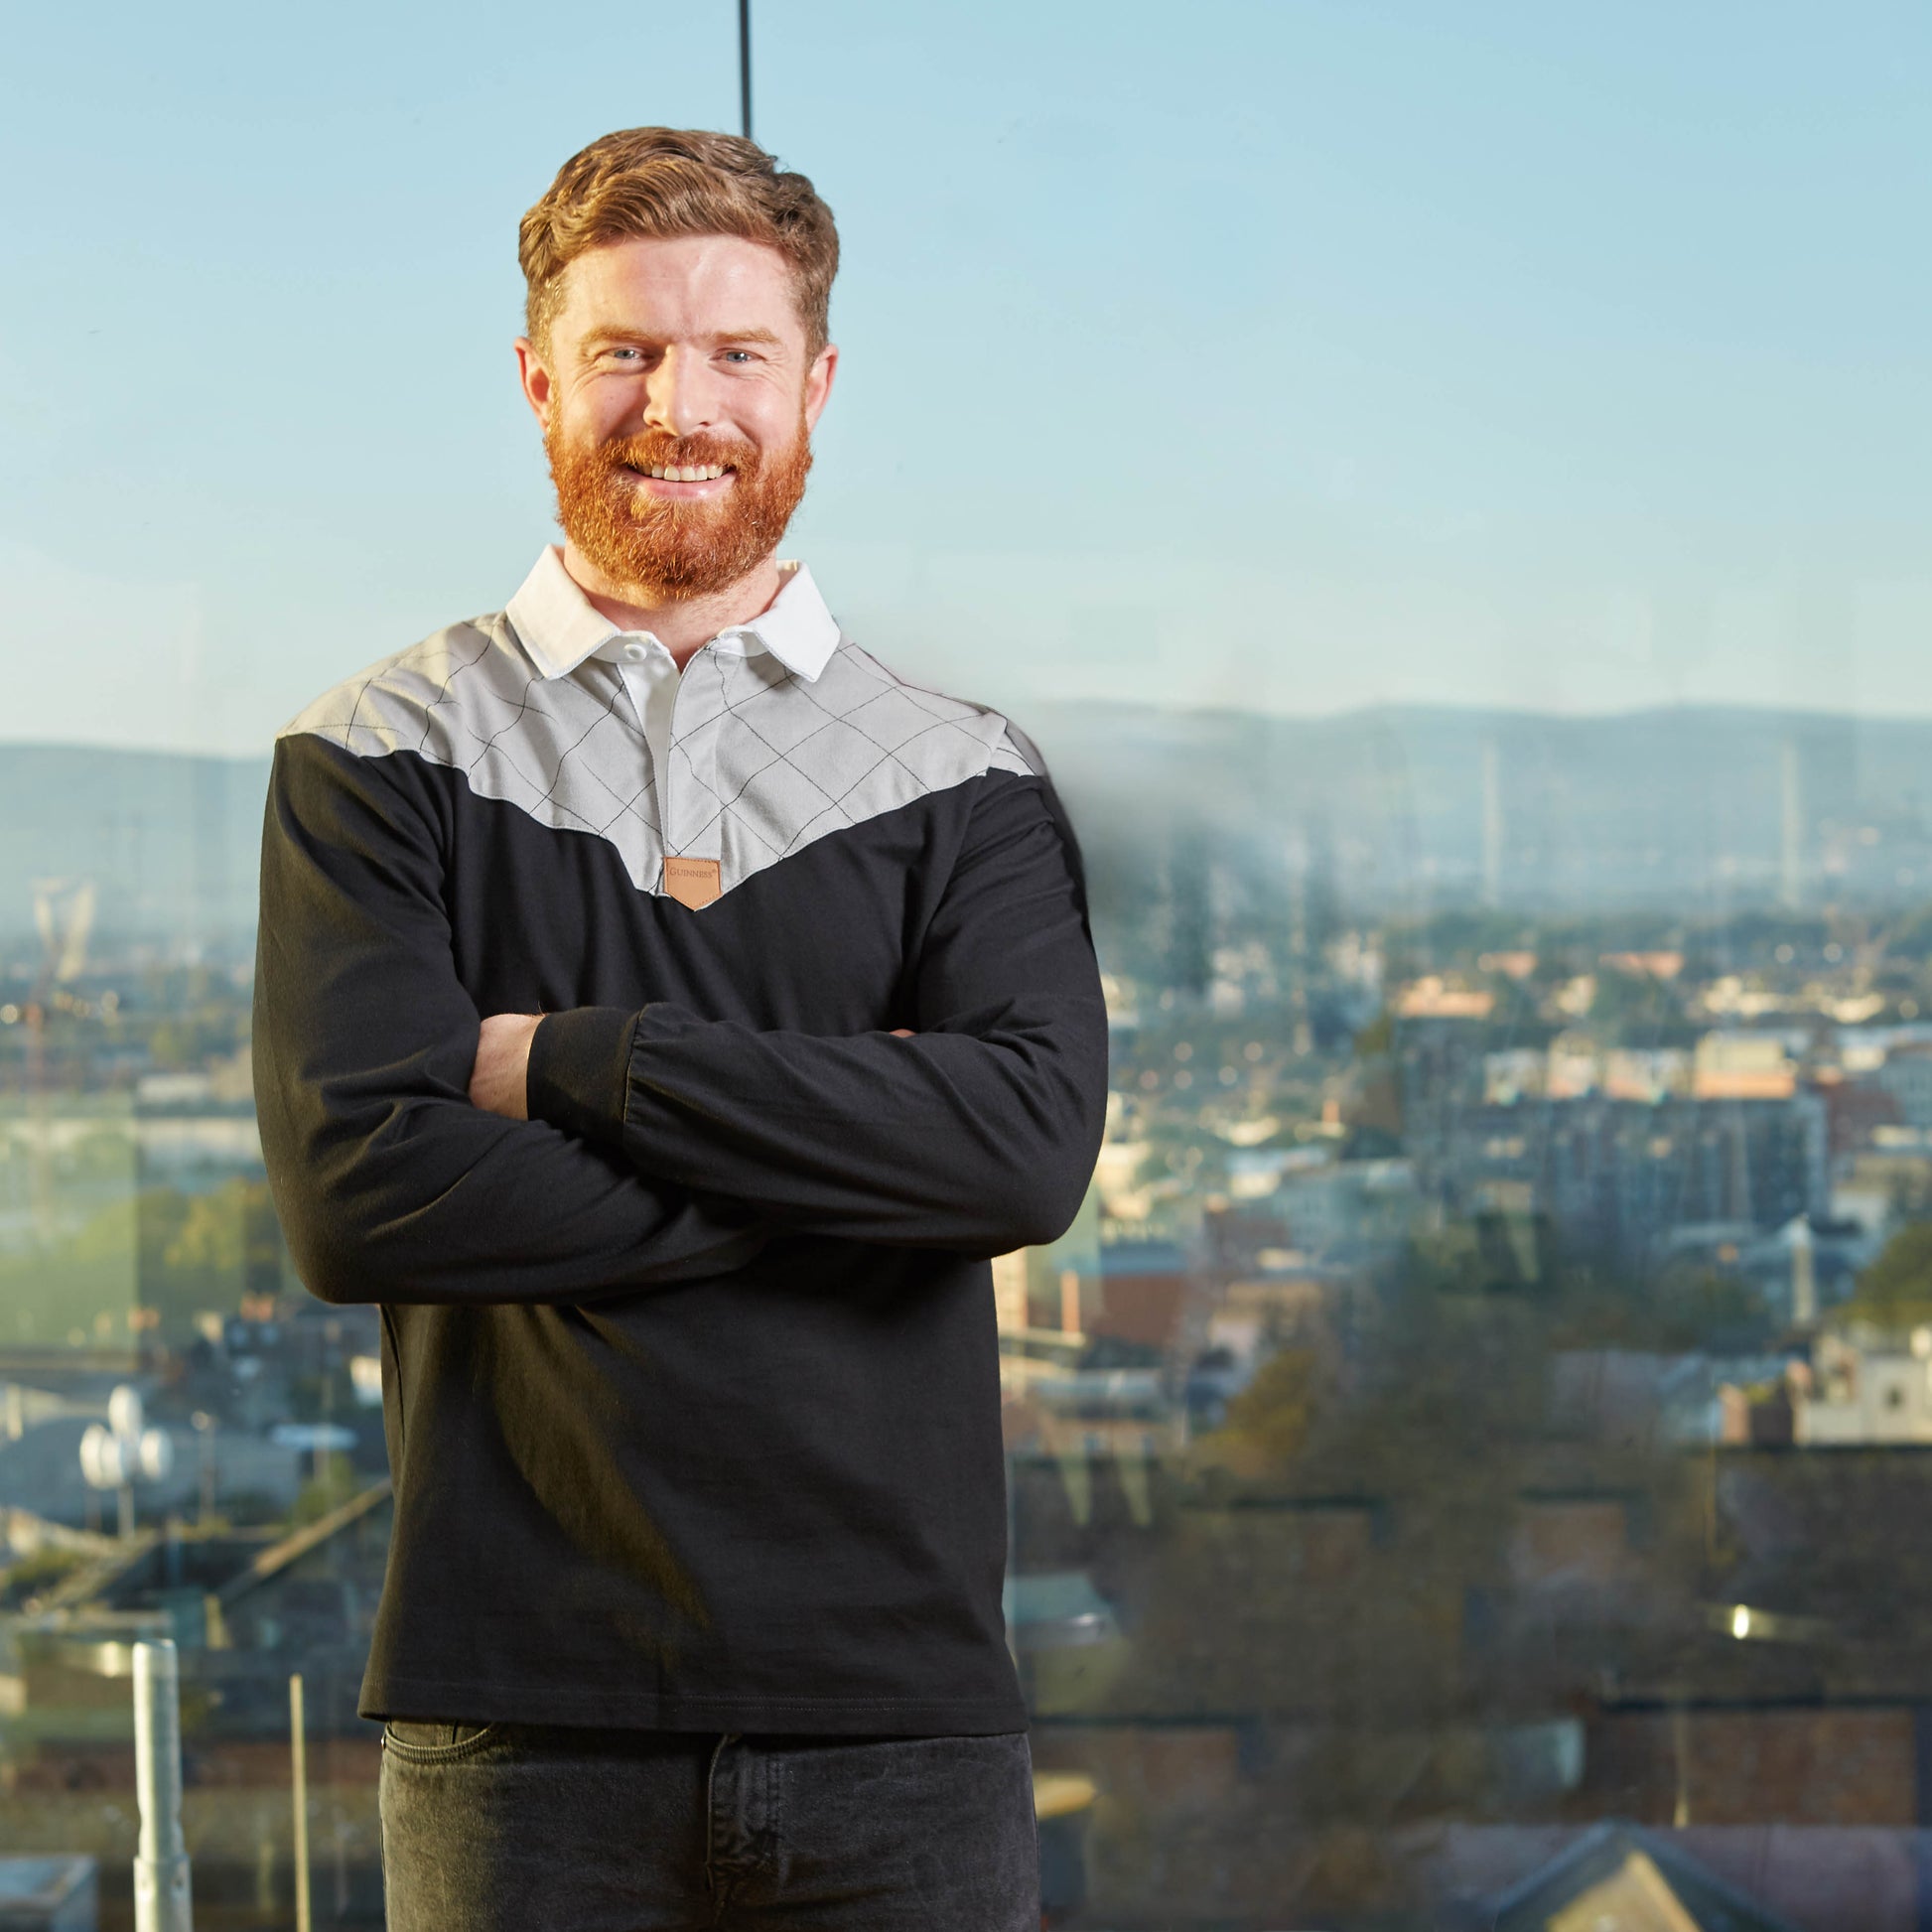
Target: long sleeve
978 1135
390 1185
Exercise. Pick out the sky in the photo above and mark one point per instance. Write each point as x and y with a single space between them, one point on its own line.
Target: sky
1302 354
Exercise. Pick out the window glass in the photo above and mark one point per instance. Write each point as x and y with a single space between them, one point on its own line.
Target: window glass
1446 490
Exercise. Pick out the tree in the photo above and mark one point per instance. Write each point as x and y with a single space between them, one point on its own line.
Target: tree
335 1485
1895 1291
205 1251
1268 1421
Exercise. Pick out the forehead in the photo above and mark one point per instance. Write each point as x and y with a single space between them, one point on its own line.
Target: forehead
680 286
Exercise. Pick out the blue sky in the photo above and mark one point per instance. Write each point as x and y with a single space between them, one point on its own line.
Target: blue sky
1306 356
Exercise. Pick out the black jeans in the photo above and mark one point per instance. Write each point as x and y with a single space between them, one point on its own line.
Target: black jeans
551 1827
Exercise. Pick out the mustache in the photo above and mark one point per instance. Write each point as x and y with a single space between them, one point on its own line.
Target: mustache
646 450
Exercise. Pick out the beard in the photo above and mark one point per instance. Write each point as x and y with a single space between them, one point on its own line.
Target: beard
665 548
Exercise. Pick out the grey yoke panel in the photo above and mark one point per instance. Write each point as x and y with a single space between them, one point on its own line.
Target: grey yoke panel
568 750
762 761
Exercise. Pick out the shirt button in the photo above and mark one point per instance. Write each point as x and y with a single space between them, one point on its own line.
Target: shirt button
635 652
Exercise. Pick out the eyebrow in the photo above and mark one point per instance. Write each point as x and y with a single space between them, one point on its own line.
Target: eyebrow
763 337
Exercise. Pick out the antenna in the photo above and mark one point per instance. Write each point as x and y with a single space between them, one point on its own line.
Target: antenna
745 66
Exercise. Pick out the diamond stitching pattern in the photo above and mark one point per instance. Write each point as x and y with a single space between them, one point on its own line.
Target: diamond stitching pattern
762 763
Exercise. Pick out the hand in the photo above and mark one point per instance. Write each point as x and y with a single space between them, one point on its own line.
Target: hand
499 1084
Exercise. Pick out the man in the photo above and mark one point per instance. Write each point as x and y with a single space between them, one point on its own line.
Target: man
664 1011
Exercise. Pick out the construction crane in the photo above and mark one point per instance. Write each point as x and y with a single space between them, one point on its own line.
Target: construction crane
64 915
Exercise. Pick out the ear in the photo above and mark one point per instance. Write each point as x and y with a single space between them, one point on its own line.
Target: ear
535 374
818 383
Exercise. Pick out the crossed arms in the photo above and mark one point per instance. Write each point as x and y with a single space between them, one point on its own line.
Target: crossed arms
663 1147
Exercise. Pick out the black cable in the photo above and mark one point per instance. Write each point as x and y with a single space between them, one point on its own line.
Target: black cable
745 66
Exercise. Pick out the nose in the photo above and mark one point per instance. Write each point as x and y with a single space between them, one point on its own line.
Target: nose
680 398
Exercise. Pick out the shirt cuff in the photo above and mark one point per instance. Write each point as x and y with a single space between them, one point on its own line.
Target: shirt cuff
579 1069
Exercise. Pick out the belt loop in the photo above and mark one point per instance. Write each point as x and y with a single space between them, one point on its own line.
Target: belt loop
711 1777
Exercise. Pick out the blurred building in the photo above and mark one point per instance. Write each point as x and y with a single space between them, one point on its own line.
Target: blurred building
1143 1288
1617 1177
1906 1079
1339 1205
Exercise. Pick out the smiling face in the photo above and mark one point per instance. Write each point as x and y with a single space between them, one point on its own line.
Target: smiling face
677 394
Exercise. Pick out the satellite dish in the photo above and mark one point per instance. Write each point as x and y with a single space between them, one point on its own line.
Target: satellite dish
103 1458
157 1453
124 1415
115 1454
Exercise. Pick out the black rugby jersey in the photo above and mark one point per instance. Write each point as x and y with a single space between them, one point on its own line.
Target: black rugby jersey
690 1381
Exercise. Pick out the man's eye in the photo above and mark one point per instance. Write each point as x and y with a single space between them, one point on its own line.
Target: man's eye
739 355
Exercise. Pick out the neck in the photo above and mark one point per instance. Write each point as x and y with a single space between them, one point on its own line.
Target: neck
682 625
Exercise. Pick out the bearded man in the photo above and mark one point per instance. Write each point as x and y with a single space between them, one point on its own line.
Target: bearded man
664 1011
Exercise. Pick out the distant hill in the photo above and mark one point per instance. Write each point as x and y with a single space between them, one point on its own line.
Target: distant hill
171 842
1402 806
1408 805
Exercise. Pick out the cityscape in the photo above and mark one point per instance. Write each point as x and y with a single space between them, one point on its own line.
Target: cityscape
1463 1453
1444 492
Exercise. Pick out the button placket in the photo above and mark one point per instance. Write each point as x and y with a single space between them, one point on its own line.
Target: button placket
662 731
701 714
651 678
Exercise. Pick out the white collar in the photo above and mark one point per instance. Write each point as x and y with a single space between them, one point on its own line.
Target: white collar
560 628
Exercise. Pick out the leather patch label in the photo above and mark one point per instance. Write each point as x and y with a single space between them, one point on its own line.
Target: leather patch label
692 882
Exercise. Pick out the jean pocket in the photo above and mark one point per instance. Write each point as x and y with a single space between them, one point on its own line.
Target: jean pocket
426 1742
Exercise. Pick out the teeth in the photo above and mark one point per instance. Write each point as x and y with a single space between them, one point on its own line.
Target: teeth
699 473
